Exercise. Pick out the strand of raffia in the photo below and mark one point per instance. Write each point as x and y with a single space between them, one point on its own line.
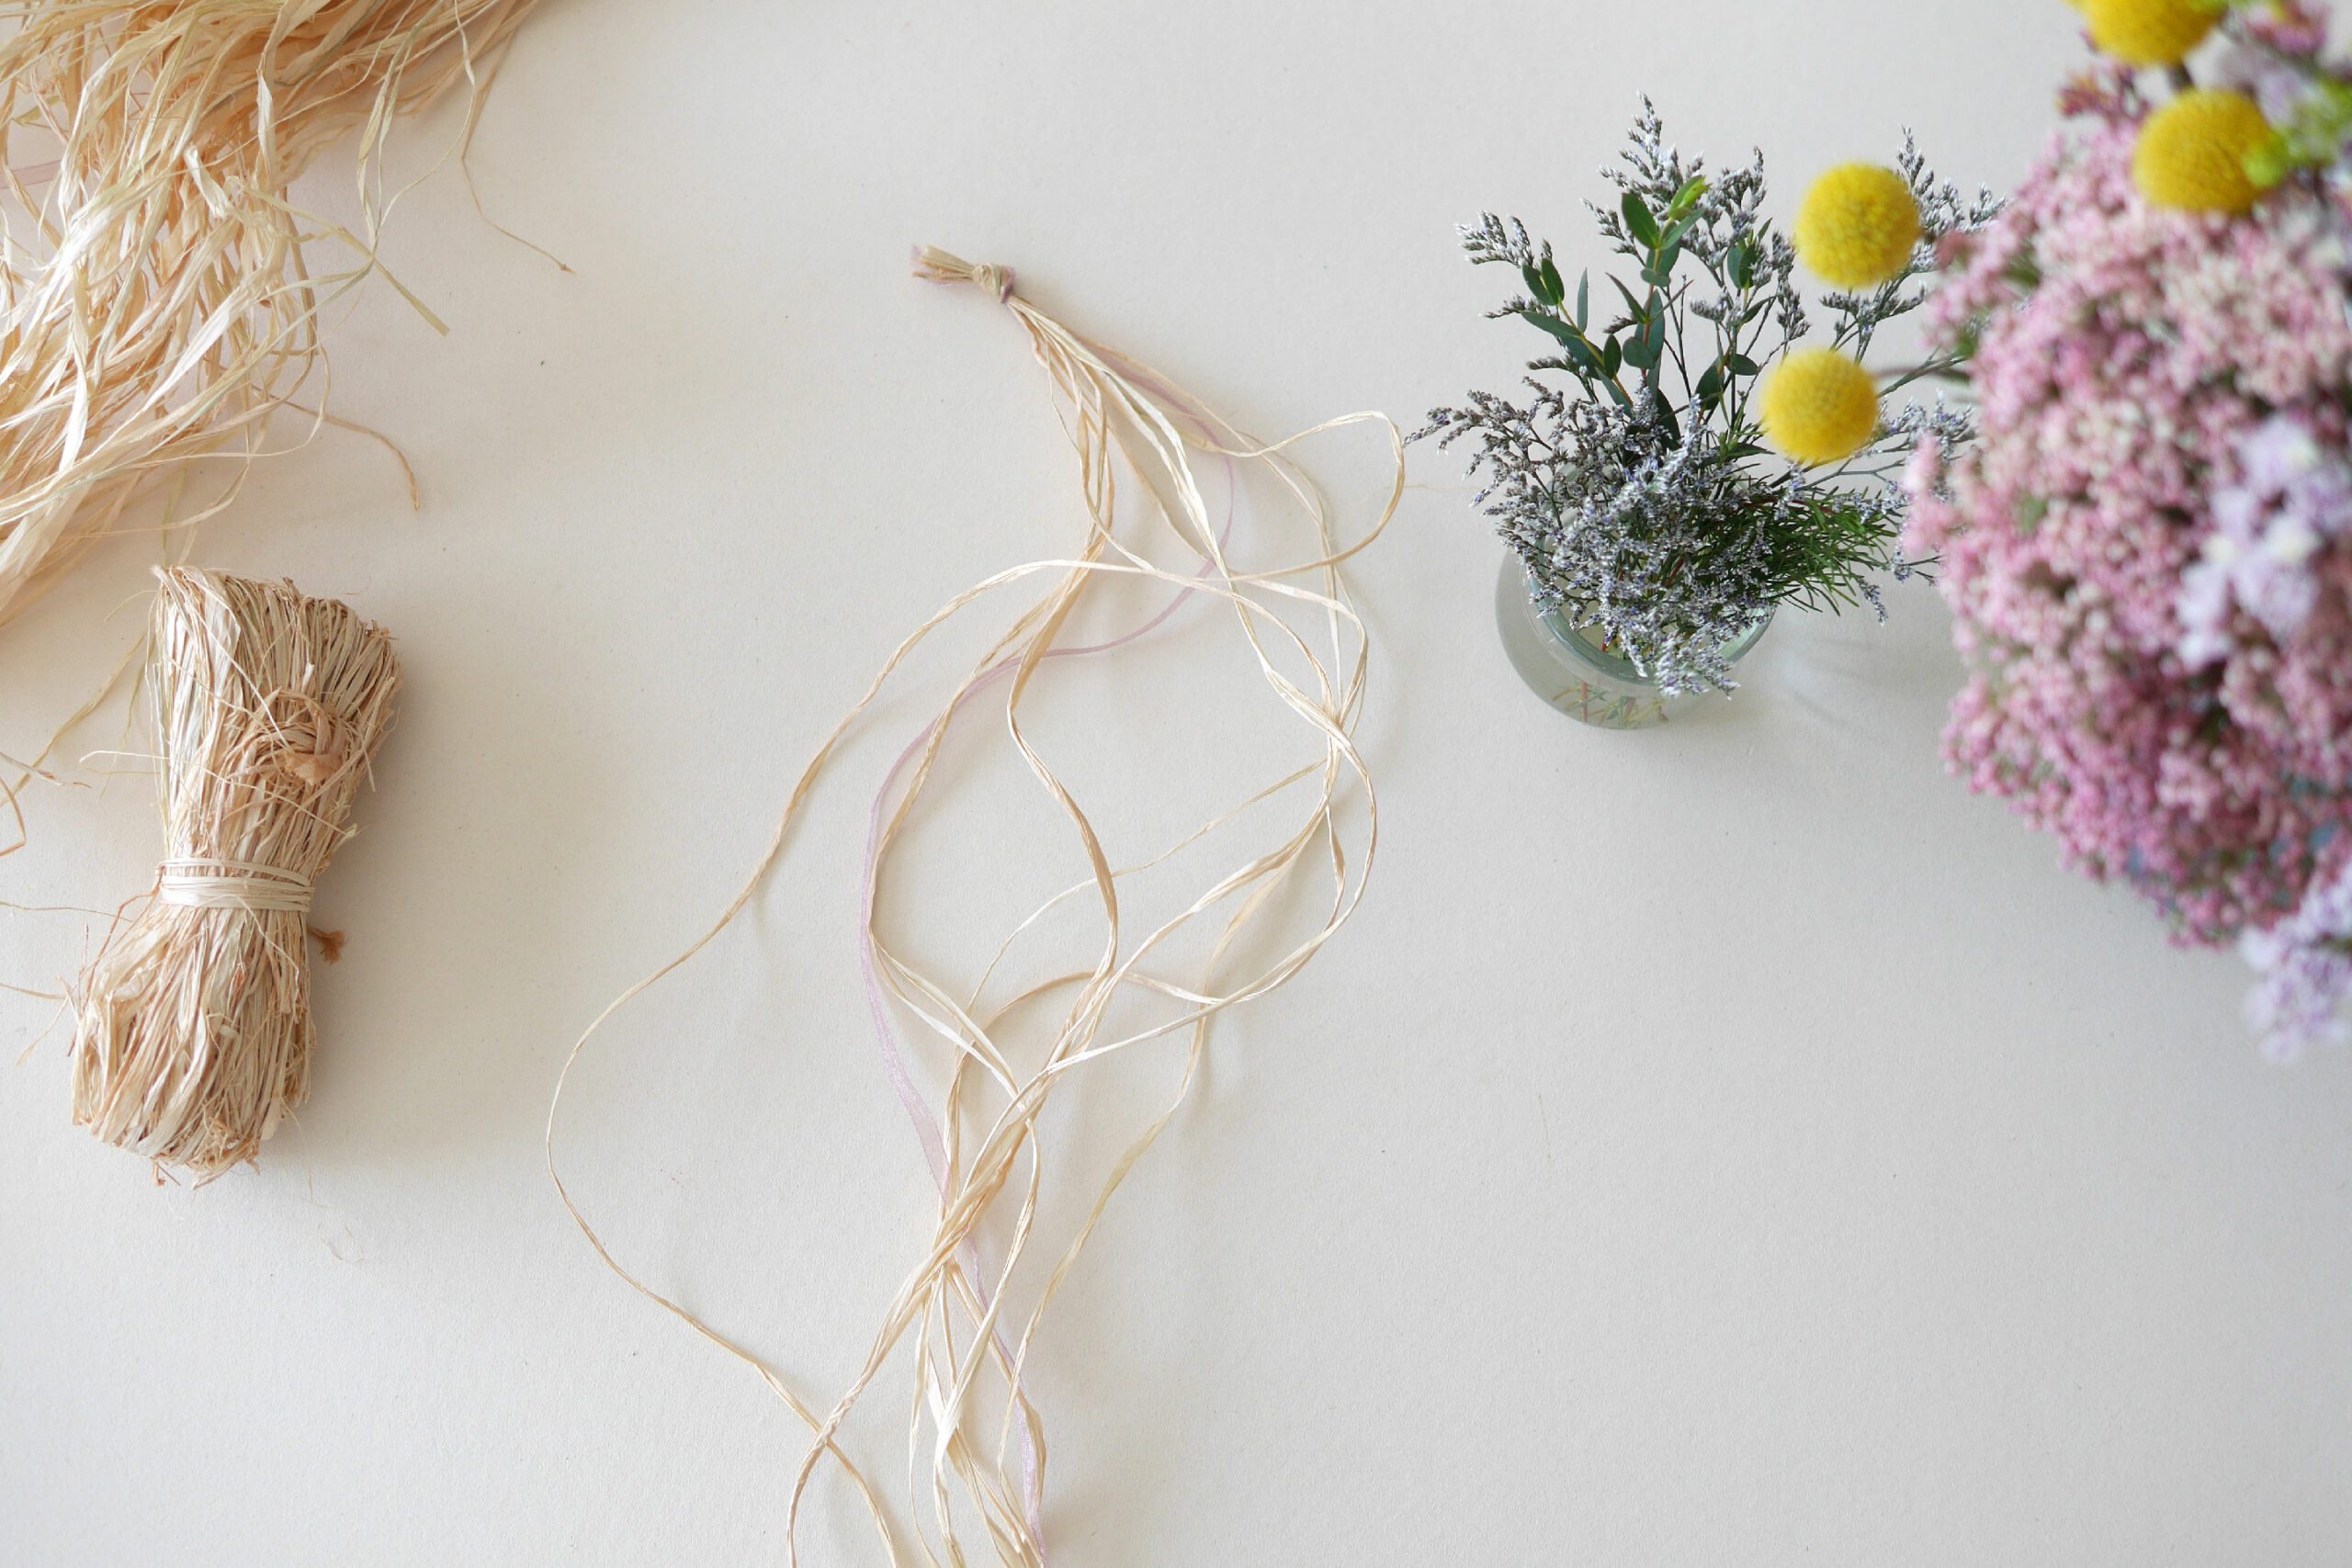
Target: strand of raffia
158 299
193 1034
925 1122
976 1442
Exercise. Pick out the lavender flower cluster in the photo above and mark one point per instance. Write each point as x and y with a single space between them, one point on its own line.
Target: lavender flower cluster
2304 964
2292 499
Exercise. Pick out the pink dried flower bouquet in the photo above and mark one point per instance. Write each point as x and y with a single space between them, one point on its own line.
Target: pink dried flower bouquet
2149 551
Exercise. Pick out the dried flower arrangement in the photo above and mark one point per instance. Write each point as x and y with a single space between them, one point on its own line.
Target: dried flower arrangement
2149 552
1657 511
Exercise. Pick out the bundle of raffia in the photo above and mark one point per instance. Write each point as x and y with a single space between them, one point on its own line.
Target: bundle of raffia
192 1025
155 303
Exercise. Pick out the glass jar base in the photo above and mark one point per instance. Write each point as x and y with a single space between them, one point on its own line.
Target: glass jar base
1587 683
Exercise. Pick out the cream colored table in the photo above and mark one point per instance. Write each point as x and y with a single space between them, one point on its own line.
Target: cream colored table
1731 1144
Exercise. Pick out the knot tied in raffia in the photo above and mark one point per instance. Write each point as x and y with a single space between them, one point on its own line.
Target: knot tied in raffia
192 1032
936 265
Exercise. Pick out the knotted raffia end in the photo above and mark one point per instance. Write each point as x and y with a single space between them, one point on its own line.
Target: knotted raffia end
936 265
192 1031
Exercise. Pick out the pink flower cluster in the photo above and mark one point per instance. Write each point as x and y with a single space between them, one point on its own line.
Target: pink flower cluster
2133 368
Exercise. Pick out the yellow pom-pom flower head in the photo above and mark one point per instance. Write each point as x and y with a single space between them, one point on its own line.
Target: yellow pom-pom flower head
1858 227
2194 153
2150 32
1819 407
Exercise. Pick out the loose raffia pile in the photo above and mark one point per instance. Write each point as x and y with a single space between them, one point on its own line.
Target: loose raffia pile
192 1025
157 302
963 1323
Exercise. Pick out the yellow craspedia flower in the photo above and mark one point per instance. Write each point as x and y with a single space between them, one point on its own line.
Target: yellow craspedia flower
1819 407
2192 153
1858 227
2150 32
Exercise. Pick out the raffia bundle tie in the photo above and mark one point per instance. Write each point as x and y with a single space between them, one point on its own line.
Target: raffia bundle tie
192 1025
964 1322
227 884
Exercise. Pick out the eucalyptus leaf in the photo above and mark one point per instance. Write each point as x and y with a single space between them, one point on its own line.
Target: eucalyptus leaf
1638 222
1553 324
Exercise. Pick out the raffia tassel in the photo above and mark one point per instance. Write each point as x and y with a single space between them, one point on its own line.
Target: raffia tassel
192 1033
1174 944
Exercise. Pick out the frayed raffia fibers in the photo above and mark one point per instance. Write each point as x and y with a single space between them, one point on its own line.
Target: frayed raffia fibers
192 1032
964 1322
157 302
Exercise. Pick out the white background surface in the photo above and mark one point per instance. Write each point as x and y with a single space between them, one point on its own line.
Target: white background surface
1729 1143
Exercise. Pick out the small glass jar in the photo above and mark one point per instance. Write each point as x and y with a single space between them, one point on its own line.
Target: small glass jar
1572 669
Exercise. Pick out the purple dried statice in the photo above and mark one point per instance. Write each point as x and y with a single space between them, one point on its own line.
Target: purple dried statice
2302 994
2292 500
